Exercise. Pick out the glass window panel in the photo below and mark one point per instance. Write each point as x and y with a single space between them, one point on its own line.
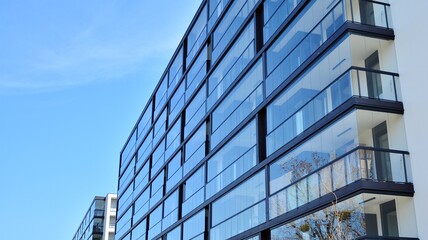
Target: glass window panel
193 192
231 65
296 43
194 226
275 12
232 160
158 157
196 73
195 149
177 102
125 200
170 210
173 138
248 193
230 24
240 102
145 122
216 8
309 98
155 224
128 152
141 205
124 223
161 95
197 35
175 172
127 176
159 127
139 232
176 70
243 221
144 150
141 179
157 189
195 111
174 234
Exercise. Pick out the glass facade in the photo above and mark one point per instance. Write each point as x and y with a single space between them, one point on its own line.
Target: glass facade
275 119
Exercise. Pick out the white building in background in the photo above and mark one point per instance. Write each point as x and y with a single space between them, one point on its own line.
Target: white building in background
99 221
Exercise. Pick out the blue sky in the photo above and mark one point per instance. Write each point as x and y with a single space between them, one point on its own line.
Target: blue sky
74 77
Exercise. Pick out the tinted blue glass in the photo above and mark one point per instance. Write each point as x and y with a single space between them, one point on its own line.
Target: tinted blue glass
196 73
231 65
193 192
125 200
158 157
240 102
141 205
128 152
124 223
173 139
298 42
307 99
175 171
174 234
127 176
232 160
197 35
230 24
194 226
176 70
157 189
159 127
144 123
144 150
141 179
240 222
216 9
195 111
161 95
275 12
195 149
245 195
139 232
170 210
155 225
177 102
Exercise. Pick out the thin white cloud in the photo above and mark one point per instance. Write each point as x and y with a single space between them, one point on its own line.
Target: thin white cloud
95 53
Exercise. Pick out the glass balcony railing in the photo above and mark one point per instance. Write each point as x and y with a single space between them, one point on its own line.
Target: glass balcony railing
354 82
380 165
374 13
374 84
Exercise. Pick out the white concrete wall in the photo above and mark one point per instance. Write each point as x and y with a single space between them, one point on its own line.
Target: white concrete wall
411 43
108 232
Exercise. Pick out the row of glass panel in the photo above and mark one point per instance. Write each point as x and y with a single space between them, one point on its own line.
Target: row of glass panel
327 84
353 148
365 216
296 43
95 210
160 125
366 83
244 208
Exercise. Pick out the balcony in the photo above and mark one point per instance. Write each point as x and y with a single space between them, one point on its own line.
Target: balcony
362 163
364 216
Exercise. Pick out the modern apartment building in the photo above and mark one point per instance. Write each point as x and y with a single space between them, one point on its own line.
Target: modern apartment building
284 119
99 220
